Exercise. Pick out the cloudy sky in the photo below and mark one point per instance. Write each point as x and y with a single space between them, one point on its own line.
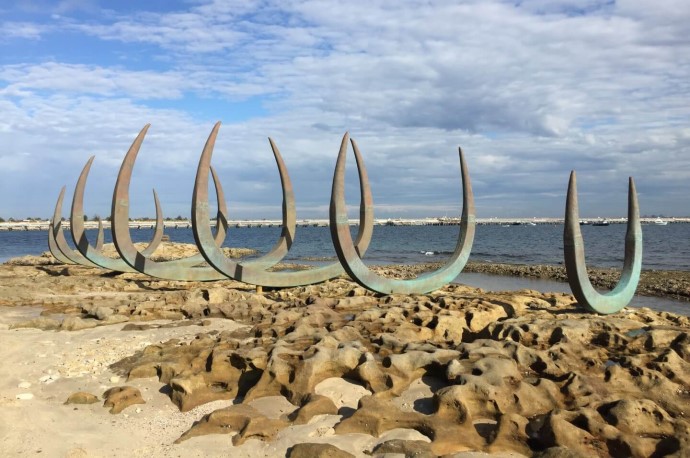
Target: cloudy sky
530 89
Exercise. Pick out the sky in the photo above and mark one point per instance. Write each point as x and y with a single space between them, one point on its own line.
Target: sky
529 89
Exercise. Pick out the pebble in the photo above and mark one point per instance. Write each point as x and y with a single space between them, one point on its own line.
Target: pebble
48 379
114 379
25 396
24 385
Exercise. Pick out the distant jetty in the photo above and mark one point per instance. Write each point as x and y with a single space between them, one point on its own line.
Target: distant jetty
42 225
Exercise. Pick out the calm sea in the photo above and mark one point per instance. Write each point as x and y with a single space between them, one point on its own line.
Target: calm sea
665 247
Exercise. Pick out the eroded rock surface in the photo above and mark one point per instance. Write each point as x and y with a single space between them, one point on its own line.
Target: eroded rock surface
521 372
121 397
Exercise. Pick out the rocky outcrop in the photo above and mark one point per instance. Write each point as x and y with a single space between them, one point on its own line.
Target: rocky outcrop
463 368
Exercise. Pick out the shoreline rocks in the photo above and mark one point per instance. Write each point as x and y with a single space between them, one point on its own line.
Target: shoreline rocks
460 369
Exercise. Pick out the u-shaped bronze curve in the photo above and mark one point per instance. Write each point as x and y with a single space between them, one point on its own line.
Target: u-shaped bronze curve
256 273
359 272
57 244
574 253
178 269
94 254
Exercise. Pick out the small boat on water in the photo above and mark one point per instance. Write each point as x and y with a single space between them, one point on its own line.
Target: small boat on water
602 222
584 222
660 222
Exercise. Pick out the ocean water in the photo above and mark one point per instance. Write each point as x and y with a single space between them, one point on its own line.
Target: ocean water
665 247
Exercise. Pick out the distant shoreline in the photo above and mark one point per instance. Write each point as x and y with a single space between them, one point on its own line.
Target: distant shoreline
42 225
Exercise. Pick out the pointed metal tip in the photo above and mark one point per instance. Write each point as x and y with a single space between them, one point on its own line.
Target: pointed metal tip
572 181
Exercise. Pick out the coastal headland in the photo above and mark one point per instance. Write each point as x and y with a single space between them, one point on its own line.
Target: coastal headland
104 364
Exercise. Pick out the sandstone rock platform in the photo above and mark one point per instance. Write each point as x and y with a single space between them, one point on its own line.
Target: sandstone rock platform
215 369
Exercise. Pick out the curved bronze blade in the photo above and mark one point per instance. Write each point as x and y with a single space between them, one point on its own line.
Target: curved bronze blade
358 271
57 244
52 246
574 253
254 272
100 239
180 269
79 234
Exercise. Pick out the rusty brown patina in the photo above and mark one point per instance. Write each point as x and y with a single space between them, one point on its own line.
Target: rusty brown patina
255 272
574 253
351 259
57 244
92 253
178 269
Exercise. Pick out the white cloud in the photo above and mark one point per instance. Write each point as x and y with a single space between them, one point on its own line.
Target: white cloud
26 30
530 92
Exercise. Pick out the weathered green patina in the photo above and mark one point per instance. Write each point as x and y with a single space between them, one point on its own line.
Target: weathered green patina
255 272
574 253
351 258
178 269
92 253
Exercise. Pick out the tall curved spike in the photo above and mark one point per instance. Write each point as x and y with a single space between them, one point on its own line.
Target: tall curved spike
358 271
53 248
100 239
180 269
61 251
574 253
287 234
79 234
158 231
255 272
